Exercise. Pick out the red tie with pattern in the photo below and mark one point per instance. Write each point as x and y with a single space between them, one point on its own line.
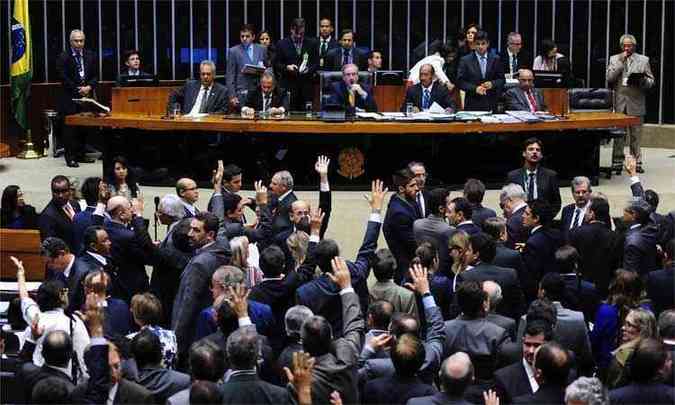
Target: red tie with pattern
533 102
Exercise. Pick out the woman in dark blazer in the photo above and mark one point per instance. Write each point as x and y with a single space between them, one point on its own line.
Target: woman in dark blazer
15 213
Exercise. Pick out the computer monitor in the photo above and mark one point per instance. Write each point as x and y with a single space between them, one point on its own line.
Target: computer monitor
544 79
389 78
145 80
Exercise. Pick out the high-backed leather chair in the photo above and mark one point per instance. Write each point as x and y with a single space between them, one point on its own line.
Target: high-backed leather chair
326 79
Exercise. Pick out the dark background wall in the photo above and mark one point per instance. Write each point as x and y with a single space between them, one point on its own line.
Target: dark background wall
175 35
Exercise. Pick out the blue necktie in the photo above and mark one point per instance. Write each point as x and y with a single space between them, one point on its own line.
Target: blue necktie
426 99
483 65
345 57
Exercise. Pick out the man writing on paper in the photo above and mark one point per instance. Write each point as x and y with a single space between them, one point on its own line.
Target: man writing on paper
352 95
427 92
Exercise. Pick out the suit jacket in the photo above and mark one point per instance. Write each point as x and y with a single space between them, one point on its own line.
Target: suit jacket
322 296
55 222
470 228
440 398
288 55
237 58
582 296
511 258
481 213
336 371
596 244
437 231
66 67
340 96
74 282
566 217
395 390
281 210
479 338
662 298
547 185
523 60
162 382
193 291
81 221
249 389
398 232
651 393
630 99
515 99
255 99
639 249
469 77
187 95
333 59
28 375
402 299
508 324
439 94
511 382
546 394
332 43
515 230
539 253
513 303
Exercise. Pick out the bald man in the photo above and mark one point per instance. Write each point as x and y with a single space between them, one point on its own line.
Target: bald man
552 365
524 97
455 376
427 92
494 294
188 192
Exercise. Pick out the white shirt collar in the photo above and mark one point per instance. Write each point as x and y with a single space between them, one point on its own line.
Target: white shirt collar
535 229
189 206
64 370
66 272
465 222
635 226
281 197
530 376
272 279
112 394
431 86
98 257
519 206
528 171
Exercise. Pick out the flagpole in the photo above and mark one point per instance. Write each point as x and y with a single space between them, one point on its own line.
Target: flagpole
28 151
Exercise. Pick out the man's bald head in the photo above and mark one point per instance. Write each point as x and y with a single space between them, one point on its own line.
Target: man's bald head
552 364
494 293
56 348
525 79
456 374
119 209
427 73
187 190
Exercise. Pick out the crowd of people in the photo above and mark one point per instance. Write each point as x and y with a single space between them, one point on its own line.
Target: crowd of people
247 301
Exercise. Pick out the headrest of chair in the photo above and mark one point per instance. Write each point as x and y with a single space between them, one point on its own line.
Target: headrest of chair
590 99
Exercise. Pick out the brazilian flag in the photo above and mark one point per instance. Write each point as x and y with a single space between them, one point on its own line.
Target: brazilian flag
22 62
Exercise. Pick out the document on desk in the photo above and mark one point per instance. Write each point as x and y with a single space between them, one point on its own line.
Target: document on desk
369 115
196 115
505 118
524 116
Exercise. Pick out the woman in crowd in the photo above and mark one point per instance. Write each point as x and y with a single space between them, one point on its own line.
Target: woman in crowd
240 258
121 180
147 313
265 39
298 243
549 59
468 45
15 213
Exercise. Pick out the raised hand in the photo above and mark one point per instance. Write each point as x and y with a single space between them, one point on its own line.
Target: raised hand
340 275
335 398
315 220
260 193
380 341
217 177
420 279
377 194
36 330
301 376
631 165
490 397
321 166
238 300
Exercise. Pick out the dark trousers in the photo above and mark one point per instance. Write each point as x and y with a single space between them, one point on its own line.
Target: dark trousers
73 140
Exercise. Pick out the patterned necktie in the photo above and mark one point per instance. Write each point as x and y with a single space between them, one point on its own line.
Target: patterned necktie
420 205
514 64
426 99
78 62
575 218
533 102
267 103
530 187
352 99
345 57
205 99
483 66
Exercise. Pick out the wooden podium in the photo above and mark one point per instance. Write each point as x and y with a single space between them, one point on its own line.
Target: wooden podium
141 100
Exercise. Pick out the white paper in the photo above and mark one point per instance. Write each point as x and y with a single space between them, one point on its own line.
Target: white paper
14 286
368 115
436 108
92 101
393 114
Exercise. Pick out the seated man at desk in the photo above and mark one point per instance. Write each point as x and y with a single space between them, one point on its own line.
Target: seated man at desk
427 92
266 98
351 95
524 97
201 96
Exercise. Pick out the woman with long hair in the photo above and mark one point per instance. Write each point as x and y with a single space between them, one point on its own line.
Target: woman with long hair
639 324
298 243
240 254
122 180
265 39
15 213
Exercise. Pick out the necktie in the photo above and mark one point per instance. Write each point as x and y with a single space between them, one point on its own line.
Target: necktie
352 99
426 99
575 218
324 45
345 57
483 65
78 61
530 187
420 205
533 101
298 47
205 99
514 64
268 101
69 211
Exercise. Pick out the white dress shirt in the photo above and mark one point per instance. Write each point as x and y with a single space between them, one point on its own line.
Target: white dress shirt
530 376
203 93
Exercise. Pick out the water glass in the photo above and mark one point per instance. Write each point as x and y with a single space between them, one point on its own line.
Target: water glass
308 109
409 109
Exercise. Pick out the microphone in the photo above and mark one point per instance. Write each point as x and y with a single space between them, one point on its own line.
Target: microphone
156 219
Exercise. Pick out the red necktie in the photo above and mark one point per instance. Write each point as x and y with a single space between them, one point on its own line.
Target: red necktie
533 102
69 211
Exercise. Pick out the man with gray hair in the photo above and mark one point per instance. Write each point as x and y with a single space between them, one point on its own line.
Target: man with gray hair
587 391
629 74
200 96
512 202
78 70
169 212
639 247
494 295
455 377
573 214
281 188
295 316
266 98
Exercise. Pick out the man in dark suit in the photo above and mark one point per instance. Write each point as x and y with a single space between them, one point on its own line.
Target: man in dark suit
538 182
647 366
663 298
474 191
64 266
188 191
398 223
78 71
193 296
351 95
427 92
580 295
266 98
524 97
639 248
573 215
96 256
484 249
57 350
495 228
133 72
326 40
513 56
552 364
281 189
459 213
421 175
434 228
481 76
518 378
56 220
345 54
207 363
539 251
201 96
407 357
512 201
247 52
82 220
297 60
320 294
455 377
595 241
494 297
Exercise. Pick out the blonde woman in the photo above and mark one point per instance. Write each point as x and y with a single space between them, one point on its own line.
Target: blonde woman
639 323
298 243
240 258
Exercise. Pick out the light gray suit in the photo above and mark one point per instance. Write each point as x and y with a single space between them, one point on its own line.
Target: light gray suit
237 81
516 100
629 100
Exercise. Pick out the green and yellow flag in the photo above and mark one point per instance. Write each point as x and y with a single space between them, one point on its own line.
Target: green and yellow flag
22 62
